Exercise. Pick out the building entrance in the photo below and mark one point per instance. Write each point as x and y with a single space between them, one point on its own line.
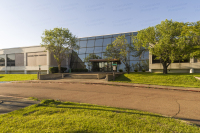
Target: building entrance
102 65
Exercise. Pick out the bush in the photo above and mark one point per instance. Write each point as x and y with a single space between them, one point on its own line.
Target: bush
143 70
136 70
120 70
55 69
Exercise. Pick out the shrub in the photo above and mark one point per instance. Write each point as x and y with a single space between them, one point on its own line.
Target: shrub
55 69
120 70
143 70
136 70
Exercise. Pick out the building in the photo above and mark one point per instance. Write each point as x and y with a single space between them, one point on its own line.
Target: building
28 60
94 48
186 66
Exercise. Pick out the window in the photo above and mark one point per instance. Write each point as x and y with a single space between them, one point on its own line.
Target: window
11 60
2 60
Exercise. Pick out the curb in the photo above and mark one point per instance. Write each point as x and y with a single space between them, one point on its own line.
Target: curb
145 86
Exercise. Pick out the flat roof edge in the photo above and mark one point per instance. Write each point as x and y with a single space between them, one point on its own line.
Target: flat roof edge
109 34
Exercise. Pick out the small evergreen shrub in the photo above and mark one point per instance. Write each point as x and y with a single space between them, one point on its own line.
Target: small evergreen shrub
55 69
143 70
136 70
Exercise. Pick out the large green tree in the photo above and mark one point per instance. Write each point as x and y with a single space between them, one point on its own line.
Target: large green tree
169 41
59 42
119 49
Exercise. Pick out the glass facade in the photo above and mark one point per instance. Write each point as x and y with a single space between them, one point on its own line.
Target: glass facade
94 48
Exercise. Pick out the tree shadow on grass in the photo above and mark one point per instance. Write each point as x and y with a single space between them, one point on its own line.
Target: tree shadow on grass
96 108
122 78
70 105
1 76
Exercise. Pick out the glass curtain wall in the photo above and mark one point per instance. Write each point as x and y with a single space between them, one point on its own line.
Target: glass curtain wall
94 48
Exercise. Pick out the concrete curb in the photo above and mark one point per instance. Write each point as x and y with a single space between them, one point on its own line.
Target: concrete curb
122 84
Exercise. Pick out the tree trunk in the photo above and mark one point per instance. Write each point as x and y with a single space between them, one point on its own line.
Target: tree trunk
165 67
127 67
59 68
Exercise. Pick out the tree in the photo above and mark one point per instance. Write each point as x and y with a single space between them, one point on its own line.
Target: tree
59 42
168 41
119 49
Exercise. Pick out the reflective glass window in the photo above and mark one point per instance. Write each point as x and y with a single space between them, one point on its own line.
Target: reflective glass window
90 56
108 36
145 55
80 65
2 60
106 41
128 38
83 43
97 55
128 34
122 66
73 65
116 35
99 37
99 42
89 66
134 33
114 38
134 58
11 60
98 50
82 50
77 43
104 49
90 50
81 58
91 38
90 43
83 39
133 64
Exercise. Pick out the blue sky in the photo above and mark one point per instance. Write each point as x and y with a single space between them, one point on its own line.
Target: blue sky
22 22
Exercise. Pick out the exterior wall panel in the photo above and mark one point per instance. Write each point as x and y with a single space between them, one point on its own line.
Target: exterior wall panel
19 59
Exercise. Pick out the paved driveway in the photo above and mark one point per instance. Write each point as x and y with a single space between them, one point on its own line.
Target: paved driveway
9 103
179 104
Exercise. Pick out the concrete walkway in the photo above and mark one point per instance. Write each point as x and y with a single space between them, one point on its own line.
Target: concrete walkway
165 100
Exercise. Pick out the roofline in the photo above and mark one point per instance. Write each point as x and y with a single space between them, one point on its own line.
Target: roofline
21 47
78 37
109 34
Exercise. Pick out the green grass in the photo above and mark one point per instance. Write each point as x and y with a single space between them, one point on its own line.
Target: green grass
17 77
56 116
172 79
33 98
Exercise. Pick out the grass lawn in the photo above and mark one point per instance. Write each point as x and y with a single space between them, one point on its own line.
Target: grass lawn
55 116
174 79
17 77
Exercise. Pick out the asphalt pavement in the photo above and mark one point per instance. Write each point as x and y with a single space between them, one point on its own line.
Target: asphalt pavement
165 101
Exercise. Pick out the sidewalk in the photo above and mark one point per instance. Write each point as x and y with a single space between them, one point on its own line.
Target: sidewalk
103 82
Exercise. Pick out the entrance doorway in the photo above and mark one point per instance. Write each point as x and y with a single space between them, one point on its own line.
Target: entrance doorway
102 65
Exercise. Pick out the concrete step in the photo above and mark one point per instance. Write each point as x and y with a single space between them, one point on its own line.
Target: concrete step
80 76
